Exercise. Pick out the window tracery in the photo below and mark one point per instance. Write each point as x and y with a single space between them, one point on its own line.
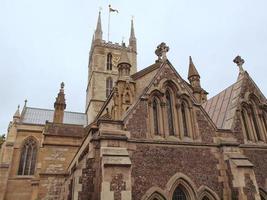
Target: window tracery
28 157
179 194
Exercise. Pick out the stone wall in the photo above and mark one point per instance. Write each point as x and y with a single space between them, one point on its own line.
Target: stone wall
258 157
154 166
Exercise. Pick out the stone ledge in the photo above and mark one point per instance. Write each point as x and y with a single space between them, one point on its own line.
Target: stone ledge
114 151
115 160
4 165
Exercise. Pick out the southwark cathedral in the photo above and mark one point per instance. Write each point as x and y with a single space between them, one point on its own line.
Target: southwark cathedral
144 135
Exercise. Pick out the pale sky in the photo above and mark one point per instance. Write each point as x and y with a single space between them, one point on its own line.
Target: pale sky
43 43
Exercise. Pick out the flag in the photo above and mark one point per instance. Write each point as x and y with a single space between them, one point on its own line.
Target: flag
112 10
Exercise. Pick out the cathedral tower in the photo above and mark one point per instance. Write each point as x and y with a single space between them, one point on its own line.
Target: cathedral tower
102 68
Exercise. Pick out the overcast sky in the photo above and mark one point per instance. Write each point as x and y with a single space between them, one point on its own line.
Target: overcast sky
45 42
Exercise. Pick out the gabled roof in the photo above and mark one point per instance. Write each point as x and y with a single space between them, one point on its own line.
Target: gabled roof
222 107
127 114
40 116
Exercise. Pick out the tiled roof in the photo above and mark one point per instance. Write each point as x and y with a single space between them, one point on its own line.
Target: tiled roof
39 116
221 108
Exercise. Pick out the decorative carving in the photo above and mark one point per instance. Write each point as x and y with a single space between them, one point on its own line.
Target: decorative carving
117 185
161 51
239 62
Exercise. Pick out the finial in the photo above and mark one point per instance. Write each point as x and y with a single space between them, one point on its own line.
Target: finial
62 85
18 107
100 9
25 102
239 62
161 51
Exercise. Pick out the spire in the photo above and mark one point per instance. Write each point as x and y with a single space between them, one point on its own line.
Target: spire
59 105
98 31
132 40
132 35
192 69
16 115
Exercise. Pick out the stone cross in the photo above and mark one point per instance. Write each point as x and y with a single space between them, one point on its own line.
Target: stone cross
117 185
161 51
239 62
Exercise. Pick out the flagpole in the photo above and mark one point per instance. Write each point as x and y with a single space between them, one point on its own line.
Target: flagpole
108 21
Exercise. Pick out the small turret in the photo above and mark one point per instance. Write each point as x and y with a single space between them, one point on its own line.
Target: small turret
132 40
194 79
60 106
16 116
193 75
98 32
124 66
125 87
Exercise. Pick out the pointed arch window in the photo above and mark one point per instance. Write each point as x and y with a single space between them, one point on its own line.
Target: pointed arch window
169 112
264 120
109 61
109 86
255 123
155 117
205 198
179 194
185 124
244 119
28 157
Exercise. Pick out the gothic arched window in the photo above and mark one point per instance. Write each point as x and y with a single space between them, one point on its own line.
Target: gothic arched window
264 118
109 61
155 117
244 119
169 112
179 194
28 157
255 123
109 86
205 198
185 125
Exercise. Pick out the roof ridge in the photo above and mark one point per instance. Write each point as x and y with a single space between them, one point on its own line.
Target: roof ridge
46 109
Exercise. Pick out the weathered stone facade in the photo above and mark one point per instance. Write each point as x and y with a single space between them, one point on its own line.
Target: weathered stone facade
147 135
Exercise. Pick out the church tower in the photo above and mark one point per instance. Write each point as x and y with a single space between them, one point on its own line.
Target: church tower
102 68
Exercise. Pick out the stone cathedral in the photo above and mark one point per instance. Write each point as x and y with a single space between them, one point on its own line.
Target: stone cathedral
144 135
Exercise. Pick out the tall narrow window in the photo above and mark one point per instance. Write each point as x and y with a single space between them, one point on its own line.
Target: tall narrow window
109 86
109 61
169 113
28 157
264 120
254 119
245 124
179 194
184 120
155 117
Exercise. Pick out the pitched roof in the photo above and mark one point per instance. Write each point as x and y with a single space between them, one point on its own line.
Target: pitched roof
40 116
221 108
146 70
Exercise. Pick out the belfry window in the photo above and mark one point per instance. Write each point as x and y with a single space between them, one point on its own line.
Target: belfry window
169 113
179 194
109 86
184 120
155 117
109 61
28 157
